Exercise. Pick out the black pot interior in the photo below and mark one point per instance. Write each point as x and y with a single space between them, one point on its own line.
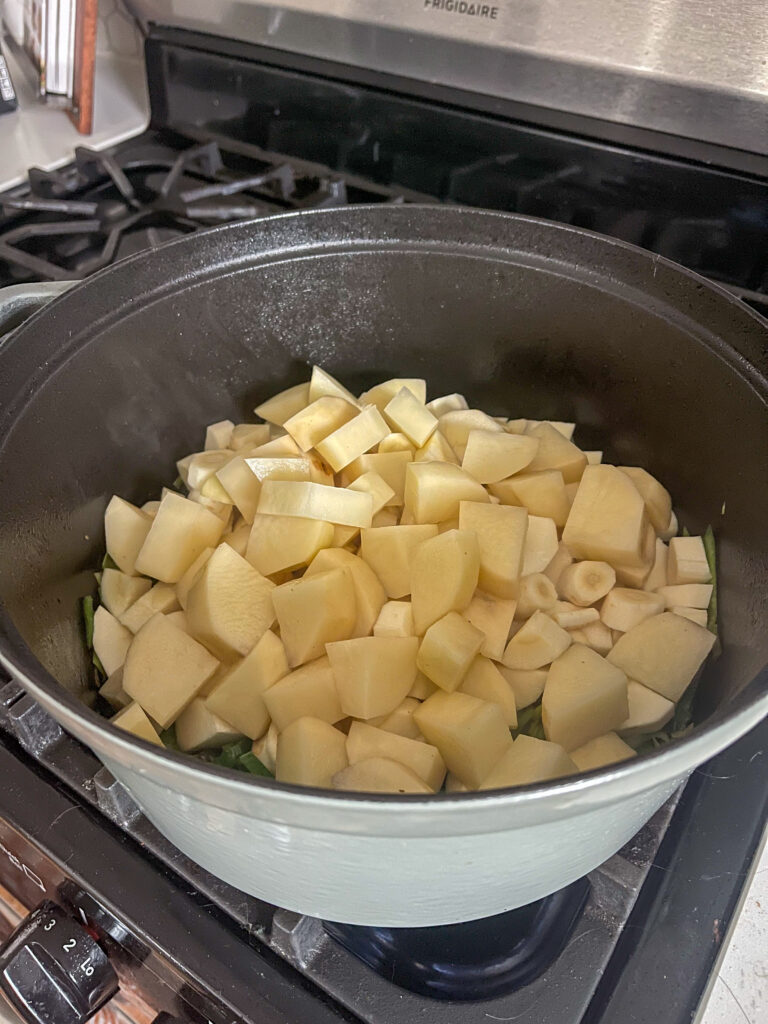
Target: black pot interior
104 390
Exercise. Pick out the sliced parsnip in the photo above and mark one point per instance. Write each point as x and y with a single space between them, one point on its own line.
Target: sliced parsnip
318 420
248 435
401 720
410 416
321 383
607 519
285 542
218 435
501 532
483 680
377 487
160 598
373 674
571 616
126 528
394 619
624 607
529 760
543 493
434 491
229 606
664 653
658 575
448 649
134 720
382 394
113 692
313 611
186 582
556 452
491 456
310 752
471 734
353 439
111 640
447 403
697 615
584 697
379 775
444 574
584 583
648 711
365 741
237 693
369 593
536 593
308 690
687 562
284 404
316 501
540 545
389 552
601 751
457 425
658 503
118 590
686 595
165 669
493 617
180 531
537 643
527 684
197 728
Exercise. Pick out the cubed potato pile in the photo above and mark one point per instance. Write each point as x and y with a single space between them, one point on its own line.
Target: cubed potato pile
369 588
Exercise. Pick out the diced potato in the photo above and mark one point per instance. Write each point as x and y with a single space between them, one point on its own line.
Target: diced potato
493 617
265 748
160 598
395 619
322 383
318 420
601 751
179 620
281 447
237 539
471 734
687 561
313 611
379 775
444 574
434 491
383 393
211 490
316 501
697 615
112 691
671 530
229 607
345 536
686 595
584 583
180 531
540 546
529 760
457 425
401 720
635 576
447 403
454 785
664 653
422 687
284 404
386 517
218 435
248 435
197 728
542 493
373 674
118 591
186 582
308 690
436 449
407 414
648 711
377 487
390 466
658 574
483 680
448 649
595 635
369 593
571 616
395 442
365 741
594 458
537 643
132 719
285 542
556 452
126 528
389 552
562 427
536 593
111 640
584 697
353 439
658 503
527 684
150 508
165 670
491 456
237 695
242 486
607 519
204 464
310 752
501 532
623 608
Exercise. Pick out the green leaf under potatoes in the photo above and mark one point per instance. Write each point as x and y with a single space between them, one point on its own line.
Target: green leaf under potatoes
529 722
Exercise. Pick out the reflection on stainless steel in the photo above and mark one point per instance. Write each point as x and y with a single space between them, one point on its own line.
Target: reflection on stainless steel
679 66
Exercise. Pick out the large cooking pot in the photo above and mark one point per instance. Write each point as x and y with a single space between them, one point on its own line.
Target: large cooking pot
103 389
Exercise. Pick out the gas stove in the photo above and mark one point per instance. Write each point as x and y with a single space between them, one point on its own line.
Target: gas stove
239 131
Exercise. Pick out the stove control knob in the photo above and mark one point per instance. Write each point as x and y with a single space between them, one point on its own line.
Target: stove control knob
53 971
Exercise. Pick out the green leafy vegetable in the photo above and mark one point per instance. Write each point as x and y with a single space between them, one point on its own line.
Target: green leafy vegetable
529 722
252 764
168 737
709 550
685 532
231 753
178 485
98 666
88 621
109 563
